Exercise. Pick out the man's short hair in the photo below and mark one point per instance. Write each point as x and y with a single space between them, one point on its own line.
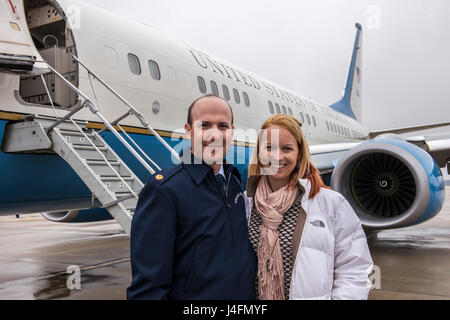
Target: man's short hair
189 116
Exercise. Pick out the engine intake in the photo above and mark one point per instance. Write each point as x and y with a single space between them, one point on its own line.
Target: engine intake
390 183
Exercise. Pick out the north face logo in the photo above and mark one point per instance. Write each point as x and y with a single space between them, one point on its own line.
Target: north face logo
317 223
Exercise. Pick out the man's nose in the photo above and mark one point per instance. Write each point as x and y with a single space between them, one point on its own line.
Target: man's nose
214 134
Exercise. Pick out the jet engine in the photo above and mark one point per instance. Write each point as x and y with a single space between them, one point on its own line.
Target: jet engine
390 183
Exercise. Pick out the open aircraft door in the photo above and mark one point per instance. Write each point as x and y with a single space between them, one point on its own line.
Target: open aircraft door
18 54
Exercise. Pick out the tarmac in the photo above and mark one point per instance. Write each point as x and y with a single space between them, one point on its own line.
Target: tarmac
38 259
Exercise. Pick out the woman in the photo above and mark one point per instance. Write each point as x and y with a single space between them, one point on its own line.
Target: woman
309 241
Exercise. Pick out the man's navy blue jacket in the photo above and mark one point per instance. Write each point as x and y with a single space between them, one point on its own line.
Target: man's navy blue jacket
188 241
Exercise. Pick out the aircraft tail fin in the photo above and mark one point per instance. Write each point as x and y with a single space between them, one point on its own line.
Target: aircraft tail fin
350 104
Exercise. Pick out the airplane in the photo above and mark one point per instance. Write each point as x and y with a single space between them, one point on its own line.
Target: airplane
81 90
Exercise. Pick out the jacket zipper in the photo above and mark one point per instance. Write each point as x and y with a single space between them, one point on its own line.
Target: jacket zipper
298 251
226 190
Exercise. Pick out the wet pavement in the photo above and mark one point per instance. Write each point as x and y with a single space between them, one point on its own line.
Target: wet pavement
414 262
36 254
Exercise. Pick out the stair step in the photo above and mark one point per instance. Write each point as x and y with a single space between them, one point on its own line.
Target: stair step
89 152
102 168
76 133
129 203
82 141
98 162
115 185
116 178
89 147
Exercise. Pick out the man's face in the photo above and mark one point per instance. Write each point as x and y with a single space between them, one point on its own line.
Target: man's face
211 131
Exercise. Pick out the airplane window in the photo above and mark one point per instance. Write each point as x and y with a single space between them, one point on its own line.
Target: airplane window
201 84
334 127
226 93
290 111
302 117
308 119
271 107
278 108
328 126
284 109
314 121
154 70
133 63
214 88
246 99
237 97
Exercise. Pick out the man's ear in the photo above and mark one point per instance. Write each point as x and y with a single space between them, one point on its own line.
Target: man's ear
187 130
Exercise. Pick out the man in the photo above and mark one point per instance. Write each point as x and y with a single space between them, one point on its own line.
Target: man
189 236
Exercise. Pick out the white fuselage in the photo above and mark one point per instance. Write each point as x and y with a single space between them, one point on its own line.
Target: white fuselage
104 40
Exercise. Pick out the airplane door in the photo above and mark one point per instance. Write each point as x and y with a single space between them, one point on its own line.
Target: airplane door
18 53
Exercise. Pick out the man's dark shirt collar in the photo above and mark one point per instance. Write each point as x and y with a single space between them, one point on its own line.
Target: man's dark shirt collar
199 169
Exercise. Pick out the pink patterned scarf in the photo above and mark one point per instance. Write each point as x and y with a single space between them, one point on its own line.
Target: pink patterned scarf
271 206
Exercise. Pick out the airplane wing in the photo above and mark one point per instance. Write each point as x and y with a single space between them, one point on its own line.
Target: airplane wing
405 130
437 145
326 156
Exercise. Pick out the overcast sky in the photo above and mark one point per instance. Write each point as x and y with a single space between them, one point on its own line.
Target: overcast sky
306 46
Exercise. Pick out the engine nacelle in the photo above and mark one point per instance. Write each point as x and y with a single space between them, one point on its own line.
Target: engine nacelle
86 215
390 183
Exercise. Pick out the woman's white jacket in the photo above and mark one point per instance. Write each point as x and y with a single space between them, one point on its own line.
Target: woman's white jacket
333 260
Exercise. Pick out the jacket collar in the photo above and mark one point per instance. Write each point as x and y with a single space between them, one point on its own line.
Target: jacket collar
306 184
198 170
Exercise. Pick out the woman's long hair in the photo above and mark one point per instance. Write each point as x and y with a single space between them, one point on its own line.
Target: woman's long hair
304 168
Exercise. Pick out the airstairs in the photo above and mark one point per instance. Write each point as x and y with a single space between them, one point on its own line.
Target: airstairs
112 183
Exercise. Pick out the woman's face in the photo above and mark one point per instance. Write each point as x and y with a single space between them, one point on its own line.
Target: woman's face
278 153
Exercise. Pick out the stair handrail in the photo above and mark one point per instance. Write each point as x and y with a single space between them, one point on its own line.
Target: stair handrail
88 103
136 112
